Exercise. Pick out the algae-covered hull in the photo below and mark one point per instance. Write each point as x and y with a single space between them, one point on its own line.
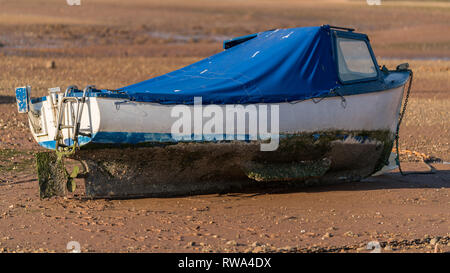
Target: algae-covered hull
196 168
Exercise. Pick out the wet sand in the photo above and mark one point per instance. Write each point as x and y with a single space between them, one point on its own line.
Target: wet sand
403 213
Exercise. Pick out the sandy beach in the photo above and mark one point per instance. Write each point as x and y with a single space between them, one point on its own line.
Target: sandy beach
115 43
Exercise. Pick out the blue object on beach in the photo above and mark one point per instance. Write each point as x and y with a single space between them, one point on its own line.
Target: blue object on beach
275 66
22 98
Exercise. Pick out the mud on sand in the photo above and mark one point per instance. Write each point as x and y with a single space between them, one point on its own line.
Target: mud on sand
408 213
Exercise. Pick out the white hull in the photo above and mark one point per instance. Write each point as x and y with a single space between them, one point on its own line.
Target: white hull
134 122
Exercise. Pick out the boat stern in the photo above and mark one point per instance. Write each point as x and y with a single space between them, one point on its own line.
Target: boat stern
50 126
35 112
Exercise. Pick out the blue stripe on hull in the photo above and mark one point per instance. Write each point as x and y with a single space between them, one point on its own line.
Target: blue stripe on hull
51 143
136 138
131 138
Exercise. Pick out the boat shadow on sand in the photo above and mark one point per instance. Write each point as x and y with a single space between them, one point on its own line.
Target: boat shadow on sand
413 180
439 179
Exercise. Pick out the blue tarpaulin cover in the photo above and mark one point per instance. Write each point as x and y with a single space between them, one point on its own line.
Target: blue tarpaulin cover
275 66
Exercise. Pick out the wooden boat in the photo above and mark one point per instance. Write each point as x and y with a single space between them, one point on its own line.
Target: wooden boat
315 105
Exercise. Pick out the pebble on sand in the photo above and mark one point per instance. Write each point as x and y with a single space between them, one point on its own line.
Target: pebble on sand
433 241
232 243
50 65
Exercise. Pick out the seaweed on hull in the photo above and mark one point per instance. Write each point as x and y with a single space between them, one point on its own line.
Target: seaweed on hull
209 167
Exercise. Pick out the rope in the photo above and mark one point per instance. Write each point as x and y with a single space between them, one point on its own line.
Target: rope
332 91
426 159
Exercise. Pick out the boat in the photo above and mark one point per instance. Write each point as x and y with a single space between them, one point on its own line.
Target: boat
302 106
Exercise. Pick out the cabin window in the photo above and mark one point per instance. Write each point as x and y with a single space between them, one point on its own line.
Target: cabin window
354 60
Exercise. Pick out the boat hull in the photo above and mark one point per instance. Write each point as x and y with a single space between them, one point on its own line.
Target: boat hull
132 153
198 168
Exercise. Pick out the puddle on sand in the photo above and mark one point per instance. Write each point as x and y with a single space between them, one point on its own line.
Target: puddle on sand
186 38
